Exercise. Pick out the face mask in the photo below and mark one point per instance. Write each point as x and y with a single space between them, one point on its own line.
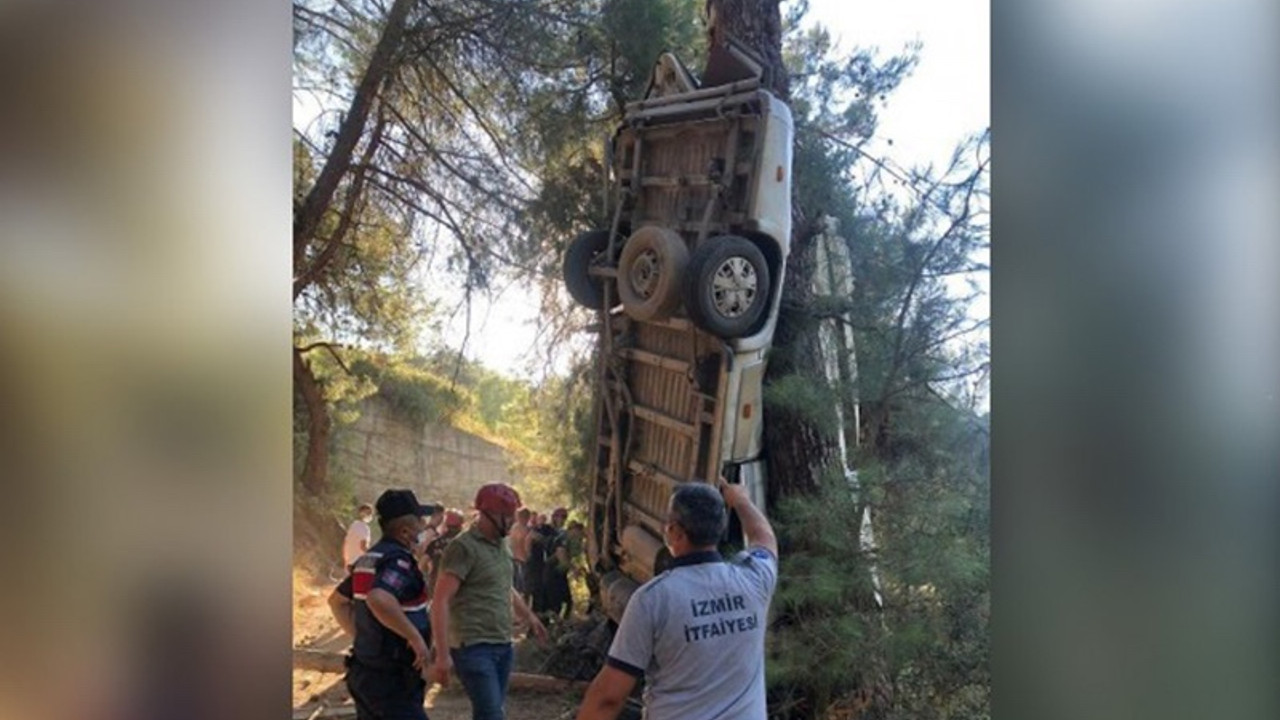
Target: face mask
422 538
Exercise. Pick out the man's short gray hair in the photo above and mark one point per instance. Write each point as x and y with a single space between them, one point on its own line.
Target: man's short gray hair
699 510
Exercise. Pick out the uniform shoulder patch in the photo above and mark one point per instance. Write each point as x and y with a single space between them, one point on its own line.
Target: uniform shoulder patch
393 578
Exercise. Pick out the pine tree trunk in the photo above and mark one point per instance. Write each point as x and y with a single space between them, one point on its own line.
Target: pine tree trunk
758 25
316 469
308 214
798 451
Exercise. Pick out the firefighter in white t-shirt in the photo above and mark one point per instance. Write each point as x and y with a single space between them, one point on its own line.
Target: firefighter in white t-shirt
696 631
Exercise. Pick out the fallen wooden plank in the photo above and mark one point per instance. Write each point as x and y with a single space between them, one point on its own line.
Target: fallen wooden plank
544 683
342 711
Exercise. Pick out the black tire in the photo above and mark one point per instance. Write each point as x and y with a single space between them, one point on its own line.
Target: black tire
728 286
586 289
651 272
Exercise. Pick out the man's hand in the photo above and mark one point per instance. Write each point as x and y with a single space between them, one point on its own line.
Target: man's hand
342 608
733 494
387 611
441 668
755 526
606 695
538 629
530 618
421 656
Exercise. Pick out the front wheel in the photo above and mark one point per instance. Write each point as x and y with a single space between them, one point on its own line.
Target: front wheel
728 286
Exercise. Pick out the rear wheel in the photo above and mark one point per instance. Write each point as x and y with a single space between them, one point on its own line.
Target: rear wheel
650 273
585 250
728 286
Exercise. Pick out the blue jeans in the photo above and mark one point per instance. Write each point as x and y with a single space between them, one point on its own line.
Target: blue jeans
484 669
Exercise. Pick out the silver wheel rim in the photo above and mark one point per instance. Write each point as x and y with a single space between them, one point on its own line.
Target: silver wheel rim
645 271
733 287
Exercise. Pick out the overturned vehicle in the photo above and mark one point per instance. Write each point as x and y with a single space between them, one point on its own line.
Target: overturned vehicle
687 281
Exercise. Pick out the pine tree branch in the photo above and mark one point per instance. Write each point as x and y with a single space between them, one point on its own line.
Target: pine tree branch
922 349
429 148
333 350
319 198
323 21
345 220
957 221
476 116
926 382
447 221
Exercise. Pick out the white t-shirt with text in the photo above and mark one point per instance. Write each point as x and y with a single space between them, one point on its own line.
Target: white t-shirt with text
696 633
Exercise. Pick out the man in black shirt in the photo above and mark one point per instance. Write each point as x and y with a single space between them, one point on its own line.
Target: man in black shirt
557 598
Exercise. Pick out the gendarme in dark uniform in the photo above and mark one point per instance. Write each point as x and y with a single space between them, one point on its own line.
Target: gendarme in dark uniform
381 676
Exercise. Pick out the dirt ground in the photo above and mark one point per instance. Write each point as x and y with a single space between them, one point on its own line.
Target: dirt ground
314 691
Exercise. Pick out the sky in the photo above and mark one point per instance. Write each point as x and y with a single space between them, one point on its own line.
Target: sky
946 99
948 96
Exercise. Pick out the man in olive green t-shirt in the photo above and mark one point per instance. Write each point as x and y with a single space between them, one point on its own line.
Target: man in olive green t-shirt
472 606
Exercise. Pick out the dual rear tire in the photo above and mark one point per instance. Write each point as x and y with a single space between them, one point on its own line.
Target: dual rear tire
584 252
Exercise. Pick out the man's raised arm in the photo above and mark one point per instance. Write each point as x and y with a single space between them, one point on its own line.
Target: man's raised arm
754 524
